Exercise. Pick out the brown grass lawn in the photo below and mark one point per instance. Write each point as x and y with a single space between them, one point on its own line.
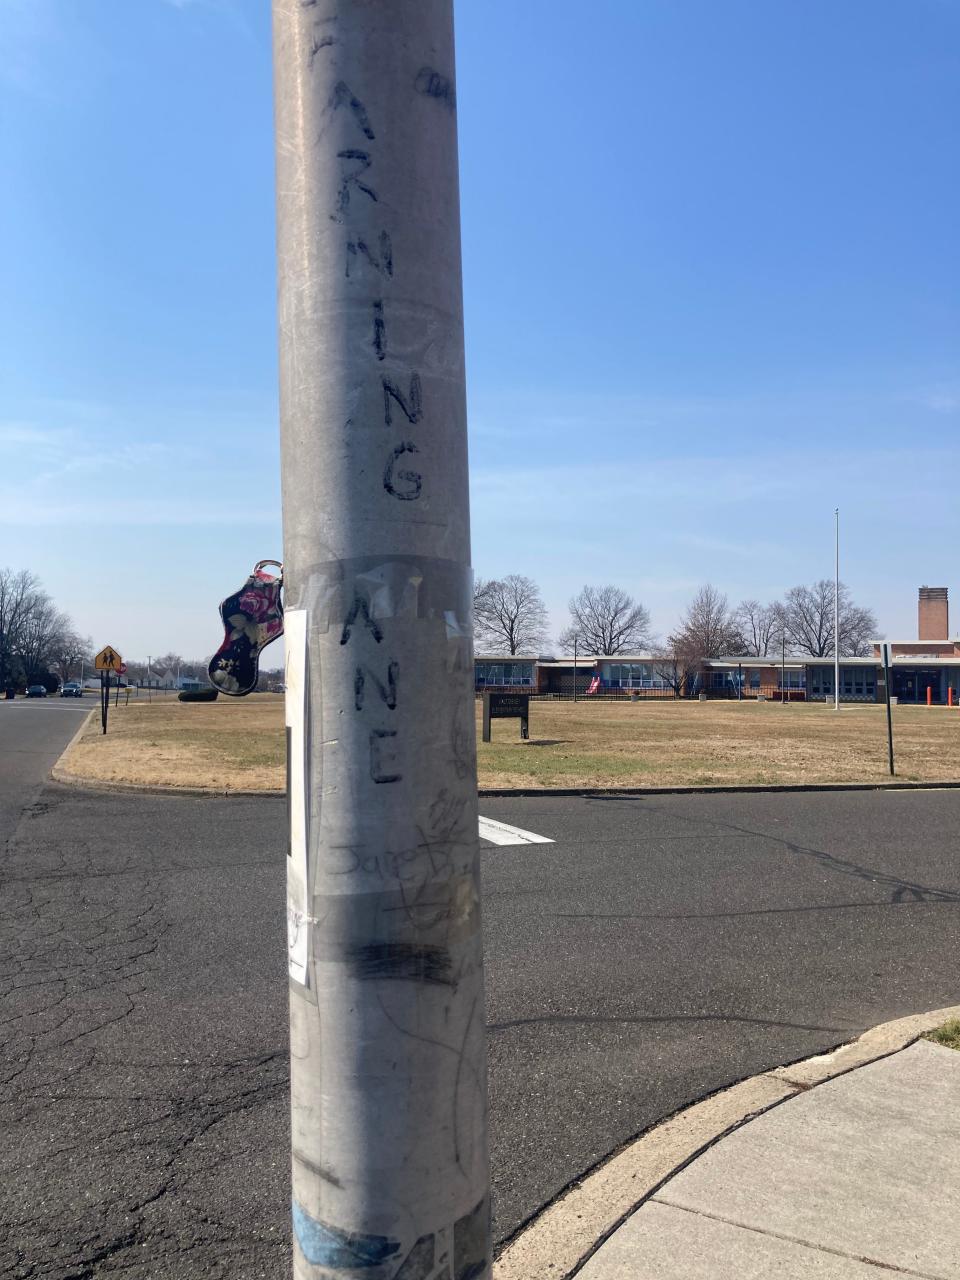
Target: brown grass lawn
228 745
699 744
238 744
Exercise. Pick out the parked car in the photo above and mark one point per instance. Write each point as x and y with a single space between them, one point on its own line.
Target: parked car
72 689
37 691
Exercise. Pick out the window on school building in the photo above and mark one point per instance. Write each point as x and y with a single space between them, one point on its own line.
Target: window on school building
858 682
792 678
821 681
632 675
754 679
723 680
504 673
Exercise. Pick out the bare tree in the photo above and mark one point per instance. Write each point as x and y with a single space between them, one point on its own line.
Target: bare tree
761 626
809 621
709 628
677 667
35 636
509 615
858 630
43 628
68 651
605 620
481 595
168 662
17 592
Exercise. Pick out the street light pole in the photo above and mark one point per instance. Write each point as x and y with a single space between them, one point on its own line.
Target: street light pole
836 613
388 1068
574 668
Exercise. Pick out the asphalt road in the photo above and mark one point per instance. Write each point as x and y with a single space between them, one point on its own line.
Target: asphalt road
659 949
33 733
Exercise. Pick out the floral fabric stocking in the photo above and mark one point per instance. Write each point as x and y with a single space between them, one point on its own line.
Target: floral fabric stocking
252 618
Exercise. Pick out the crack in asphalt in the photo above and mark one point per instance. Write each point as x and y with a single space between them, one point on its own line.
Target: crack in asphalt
77 957
758 911
831 861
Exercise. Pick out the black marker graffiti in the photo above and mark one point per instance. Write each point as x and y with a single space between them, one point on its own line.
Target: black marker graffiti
359 607
352 179
317 45
342 96
358 249
379 330
387 692
434 85
412 478
404 961
412 408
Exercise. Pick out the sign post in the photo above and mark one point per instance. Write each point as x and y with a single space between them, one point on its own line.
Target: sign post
107 660
885 653
506 706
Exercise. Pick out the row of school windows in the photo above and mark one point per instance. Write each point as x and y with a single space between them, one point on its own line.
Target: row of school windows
504 673
632 675
855 682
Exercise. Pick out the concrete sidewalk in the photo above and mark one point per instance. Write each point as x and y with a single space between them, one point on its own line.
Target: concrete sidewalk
851 1180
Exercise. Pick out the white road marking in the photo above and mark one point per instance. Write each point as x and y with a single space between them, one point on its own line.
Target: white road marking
503 833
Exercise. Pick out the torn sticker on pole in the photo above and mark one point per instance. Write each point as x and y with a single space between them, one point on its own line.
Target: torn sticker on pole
295 680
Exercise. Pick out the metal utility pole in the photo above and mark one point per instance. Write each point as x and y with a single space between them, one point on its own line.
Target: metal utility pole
574 668
388 1071
836 614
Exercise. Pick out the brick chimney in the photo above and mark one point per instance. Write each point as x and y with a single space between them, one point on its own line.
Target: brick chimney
933 614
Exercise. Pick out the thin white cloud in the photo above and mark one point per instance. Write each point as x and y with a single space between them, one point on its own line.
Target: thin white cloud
132 508
941 402
93 475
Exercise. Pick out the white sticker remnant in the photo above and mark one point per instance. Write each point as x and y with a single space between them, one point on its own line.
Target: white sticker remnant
295 680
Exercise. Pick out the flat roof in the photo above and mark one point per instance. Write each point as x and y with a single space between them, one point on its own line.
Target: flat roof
506 657
719 664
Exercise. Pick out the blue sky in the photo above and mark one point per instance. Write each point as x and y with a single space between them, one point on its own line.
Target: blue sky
712 290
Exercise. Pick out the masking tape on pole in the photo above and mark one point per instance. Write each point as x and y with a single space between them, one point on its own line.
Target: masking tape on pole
295 680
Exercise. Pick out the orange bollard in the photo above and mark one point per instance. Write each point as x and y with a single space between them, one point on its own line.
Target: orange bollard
929 696
950 696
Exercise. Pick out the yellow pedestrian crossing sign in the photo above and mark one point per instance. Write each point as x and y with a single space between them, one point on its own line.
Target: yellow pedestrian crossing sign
108 660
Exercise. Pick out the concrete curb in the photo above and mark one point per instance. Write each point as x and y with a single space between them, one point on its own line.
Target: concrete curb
76 737
566 1233
68 779
79 783
774 787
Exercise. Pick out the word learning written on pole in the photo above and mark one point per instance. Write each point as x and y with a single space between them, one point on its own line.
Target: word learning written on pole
388 1068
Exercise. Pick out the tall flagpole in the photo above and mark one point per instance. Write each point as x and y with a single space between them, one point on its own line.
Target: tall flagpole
836 613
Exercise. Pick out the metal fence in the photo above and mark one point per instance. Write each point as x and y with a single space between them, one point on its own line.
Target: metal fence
768 693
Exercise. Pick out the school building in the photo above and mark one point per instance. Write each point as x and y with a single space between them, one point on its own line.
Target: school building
927 668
